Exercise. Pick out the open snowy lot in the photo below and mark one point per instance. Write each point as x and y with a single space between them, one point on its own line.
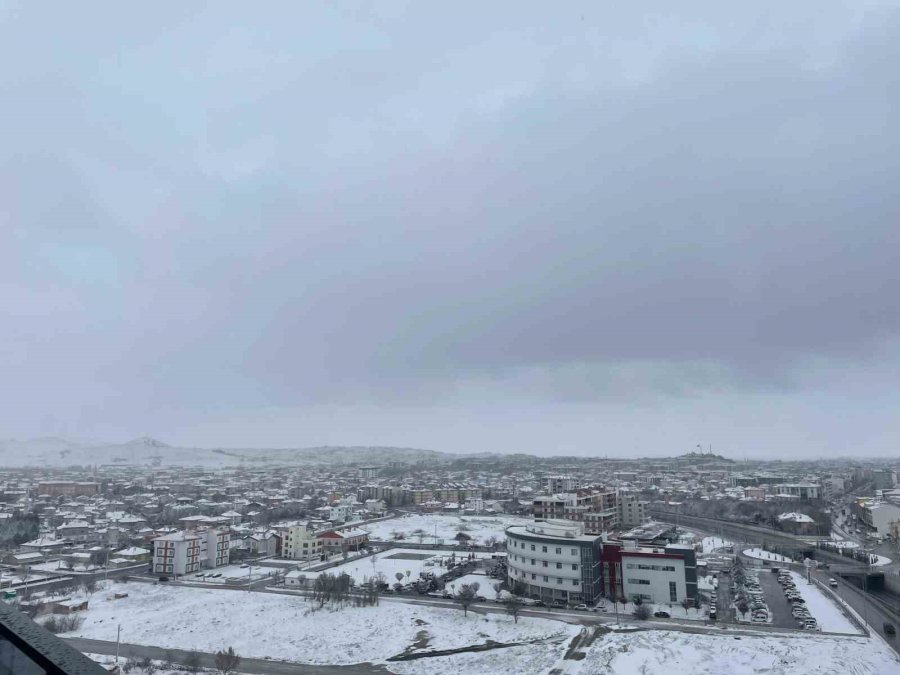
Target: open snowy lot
284 627
229 573
487 586
672 653
762 554
425 527
394 560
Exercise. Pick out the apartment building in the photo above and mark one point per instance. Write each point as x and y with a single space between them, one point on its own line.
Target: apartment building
65 488
632 511
555 561
299 542
594 508
186 552
881 517
551 484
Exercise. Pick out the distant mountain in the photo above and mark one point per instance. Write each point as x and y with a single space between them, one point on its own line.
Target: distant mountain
146 451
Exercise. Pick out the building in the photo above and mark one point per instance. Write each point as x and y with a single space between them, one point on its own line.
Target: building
551 484
301 543
657 575
67 488
880 518
834 487
339 541
555 561
368 472
187 552
802 491
594 508
883 479
632 511
755 493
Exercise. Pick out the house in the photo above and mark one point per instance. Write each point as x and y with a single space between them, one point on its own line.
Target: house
335 541
264 543
295 579
134 554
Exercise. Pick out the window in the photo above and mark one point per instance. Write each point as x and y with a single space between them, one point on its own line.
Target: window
545 563
574 568
558 550
673 592
574 582
546 579
559 580
574 551
532 547
533 577
543 549
644 582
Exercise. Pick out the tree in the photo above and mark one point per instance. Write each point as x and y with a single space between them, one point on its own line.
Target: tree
146 665
399 576
743 607
638 601
641 612
227 662
513 607
89 585
192 663
686 603
465 596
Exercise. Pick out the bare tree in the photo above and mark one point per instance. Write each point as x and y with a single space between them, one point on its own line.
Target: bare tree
89 585
641 612
465 596
513 607
227 661
146 665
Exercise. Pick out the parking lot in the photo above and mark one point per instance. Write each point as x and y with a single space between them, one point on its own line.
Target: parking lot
779 607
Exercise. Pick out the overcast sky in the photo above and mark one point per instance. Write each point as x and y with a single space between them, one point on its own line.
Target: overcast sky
583 228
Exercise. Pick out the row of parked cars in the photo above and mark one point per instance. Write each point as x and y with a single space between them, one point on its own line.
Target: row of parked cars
798 604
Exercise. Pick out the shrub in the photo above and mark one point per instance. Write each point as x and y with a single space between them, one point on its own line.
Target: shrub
57 623
641 612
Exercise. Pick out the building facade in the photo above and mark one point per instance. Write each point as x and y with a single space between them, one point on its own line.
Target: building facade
554 561
188 552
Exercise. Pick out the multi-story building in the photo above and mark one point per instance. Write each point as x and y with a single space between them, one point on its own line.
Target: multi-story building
368 472
833 487
66 488
881 517
657 575
301 543
632 511
554 561
186 552
594 508
551 484
884 479
803 491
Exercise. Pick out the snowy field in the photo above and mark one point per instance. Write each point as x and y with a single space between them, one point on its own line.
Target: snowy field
712 544
670 653
423 528
761 554
284 627
394 560
822 608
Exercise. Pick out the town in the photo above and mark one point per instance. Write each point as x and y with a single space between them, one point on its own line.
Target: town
574 561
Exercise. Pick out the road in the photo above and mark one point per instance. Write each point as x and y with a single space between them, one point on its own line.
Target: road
260 666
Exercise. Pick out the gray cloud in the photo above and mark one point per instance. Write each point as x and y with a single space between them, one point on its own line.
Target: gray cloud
215 213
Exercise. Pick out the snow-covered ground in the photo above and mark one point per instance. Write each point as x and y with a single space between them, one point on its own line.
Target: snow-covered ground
822 608
394 560
229 572
285 627
669 653
761 554
424 527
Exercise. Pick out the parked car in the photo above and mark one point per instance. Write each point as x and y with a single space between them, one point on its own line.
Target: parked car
662 615
889 629
582 607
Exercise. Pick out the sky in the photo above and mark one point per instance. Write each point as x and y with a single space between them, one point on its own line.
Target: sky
580 228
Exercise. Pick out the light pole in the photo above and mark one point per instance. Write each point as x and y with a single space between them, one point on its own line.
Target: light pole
118 636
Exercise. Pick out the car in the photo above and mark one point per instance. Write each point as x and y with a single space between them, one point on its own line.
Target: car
581 607
245 566
662 615
889 629
539 603
833 583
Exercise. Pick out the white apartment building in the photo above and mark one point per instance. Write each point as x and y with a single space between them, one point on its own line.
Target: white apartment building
554 560
187 552
301 543
882 517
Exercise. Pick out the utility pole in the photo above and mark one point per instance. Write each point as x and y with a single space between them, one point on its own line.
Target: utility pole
118 636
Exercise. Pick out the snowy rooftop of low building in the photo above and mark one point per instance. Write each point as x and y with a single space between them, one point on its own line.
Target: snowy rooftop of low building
796 518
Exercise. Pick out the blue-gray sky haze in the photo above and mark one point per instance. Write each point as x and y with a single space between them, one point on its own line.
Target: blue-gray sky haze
582 228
